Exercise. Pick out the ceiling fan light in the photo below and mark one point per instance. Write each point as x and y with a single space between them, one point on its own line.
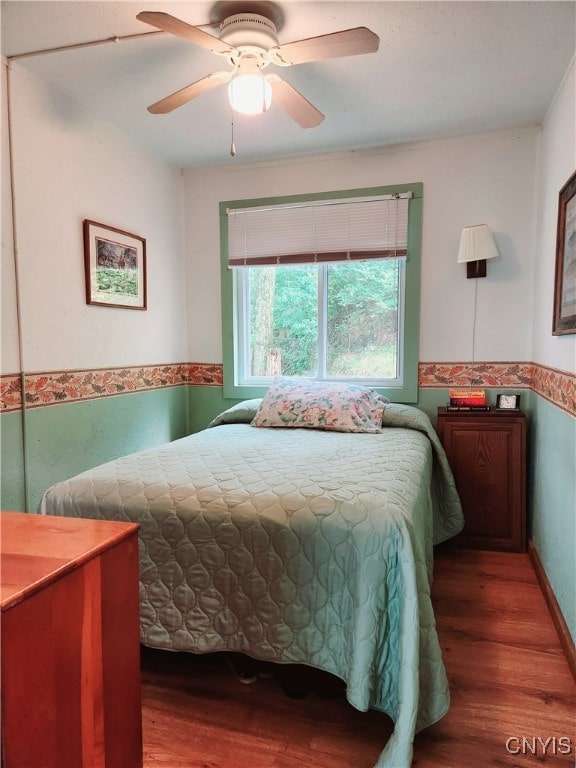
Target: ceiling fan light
250 94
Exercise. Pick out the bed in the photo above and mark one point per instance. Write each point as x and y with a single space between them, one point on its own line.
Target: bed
305 546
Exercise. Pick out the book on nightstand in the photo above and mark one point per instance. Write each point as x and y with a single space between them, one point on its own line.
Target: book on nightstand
457 408
467 398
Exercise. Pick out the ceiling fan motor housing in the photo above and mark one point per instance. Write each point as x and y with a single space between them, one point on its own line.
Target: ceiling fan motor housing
249 31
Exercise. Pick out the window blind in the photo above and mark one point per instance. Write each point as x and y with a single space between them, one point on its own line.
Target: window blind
319 231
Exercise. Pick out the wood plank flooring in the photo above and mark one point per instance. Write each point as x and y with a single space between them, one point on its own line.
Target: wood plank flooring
509 682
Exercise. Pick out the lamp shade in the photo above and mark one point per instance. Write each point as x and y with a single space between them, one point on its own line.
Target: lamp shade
249 92
476 244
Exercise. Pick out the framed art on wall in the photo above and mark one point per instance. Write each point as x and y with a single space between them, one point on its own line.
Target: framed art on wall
565 279
115 267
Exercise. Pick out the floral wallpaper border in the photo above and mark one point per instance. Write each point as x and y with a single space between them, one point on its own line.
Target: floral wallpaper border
68 386
10 392
558 387
435 375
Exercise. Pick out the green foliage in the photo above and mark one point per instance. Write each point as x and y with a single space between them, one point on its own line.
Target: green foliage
362 319
296 319
362 324
122 281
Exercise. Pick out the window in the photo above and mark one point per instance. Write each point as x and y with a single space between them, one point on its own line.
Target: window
325 286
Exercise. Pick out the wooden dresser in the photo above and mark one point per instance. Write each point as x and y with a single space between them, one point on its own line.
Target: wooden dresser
70 643
487 453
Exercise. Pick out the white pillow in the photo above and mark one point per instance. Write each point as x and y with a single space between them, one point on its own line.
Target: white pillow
310 404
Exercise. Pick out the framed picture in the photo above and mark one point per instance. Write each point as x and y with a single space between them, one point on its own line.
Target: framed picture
115 266
565 280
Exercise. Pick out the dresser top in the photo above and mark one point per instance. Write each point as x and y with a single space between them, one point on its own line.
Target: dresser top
37 549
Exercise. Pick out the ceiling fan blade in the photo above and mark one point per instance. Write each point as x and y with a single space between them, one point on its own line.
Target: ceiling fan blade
348 42
168 23
293 103
188 93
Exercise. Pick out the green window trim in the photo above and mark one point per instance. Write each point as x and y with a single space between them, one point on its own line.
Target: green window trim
408 392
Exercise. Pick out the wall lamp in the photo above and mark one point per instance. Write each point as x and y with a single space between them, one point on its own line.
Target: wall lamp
476 246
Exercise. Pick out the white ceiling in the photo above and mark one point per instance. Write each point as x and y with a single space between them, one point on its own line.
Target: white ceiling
442 69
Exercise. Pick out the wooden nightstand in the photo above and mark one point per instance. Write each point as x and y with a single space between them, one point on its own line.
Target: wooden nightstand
487 453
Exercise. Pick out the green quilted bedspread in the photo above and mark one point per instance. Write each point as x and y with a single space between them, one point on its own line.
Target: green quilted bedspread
293 545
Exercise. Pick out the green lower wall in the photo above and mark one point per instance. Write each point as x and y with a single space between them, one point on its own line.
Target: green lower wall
62 440
552 491
205 403
12 495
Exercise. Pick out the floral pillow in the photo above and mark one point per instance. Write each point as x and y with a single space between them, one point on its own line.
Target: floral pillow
313 404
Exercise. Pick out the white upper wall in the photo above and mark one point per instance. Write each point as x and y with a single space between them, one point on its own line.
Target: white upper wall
10 358
486 178
67 169
557 163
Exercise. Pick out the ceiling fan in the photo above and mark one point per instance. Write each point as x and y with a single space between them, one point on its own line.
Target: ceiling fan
249 41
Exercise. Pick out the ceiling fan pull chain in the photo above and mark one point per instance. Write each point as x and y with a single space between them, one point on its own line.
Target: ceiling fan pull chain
232 145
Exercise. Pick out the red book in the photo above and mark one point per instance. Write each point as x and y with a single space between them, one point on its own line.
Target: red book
467 397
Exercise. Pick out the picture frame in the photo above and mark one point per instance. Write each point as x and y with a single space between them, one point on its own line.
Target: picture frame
565 275
115 267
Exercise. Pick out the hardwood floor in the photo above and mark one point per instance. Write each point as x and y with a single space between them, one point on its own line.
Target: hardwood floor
509 680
